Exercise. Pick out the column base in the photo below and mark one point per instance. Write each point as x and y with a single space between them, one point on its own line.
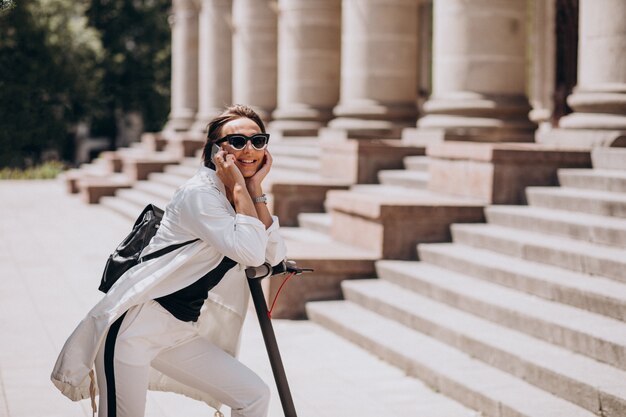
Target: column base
593 121
366 120
295 127
582 138
202 120
353 128
299 120
466 116
299 112
179 123
422 137
473 129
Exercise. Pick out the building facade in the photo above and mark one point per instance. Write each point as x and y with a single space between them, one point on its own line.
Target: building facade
550 71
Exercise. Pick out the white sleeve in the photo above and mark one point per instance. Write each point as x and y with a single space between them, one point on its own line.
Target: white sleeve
276 250
241 238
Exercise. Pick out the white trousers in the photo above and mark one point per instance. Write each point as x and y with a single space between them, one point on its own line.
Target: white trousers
149 336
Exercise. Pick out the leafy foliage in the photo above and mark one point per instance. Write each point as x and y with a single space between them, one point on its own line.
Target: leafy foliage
62 62
6 5
45 171
136 44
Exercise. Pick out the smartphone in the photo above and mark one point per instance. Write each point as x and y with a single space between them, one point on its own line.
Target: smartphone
214 149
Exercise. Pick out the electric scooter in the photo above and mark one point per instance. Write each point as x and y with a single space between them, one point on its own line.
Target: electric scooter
255 275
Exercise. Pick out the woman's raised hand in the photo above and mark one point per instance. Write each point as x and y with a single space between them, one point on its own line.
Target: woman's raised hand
254 182
227 171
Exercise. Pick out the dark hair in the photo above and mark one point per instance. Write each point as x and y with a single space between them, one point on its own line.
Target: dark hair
214 129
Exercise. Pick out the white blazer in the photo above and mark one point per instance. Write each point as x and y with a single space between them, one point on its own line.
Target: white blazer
198 209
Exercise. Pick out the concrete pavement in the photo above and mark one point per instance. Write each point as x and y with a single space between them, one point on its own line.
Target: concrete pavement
52 250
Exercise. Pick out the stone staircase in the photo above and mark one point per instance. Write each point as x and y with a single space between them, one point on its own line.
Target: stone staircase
522 316
363 224
157 189
415 174
387 221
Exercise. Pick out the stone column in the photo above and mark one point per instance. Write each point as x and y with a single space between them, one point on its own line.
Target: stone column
378 68
424 52
184 23
543 47
215 61
255 39
309 36
479 73
599 99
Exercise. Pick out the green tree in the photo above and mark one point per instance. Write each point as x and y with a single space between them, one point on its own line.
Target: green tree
62 62
136 43
47 78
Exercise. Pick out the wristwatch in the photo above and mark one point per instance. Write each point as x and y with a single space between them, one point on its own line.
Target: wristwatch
260 199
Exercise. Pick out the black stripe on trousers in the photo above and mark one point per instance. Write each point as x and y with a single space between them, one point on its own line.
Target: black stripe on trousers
109 371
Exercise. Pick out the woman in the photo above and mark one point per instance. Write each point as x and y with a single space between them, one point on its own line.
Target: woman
149 331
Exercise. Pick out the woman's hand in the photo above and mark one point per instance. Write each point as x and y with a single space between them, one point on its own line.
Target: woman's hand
227 171
253 183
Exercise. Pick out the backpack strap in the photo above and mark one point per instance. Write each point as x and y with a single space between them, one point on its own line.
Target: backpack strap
165 250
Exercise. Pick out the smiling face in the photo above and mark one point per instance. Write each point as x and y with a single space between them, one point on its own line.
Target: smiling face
248 160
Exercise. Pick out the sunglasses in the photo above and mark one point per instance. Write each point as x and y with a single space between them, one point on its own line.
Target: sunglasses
239 141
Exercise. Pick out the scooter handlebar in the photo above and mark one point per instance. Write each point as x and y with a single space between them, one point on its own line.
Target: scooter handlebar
265 270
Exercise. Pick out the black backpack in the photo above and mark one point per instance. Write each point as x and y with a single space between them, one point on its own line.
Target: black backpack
126 255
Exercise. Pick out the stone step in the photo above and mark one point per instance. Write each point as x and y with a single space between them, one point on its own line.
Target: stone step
185 145
498 173
305 149
392 222
404 178
142 146
416 163
609 158
169 179
141 198
573 377
603 203
128 209
588 227
593 335
302 140
133 151
298 192
358 161
447 370
289 175
139 168
316 245
160 191
334 377
332 261
594 179
575 255
195 162
184 170
596 294
301 164
319 222
381 192
154 141
97 169
92 189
